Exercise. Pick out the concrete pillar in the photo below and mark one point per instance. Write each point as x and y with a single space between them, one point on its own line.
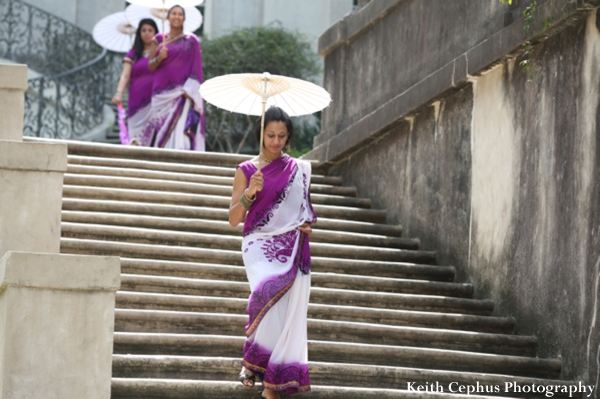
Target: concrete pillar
13 84
56 325
31 175
56 311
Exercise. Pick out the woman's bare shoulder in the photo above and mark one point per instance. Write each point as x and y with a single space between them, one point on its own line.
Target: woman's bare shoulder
254 161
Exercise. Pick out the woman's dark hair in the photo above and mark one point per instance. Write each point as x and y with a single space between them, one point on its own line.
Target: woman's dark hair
138 44
176 6
275 114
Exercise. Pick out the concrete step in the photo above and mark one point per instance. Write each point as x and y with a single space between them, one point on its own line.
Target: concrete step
228 242
177 168
319 265
323 205
329 296
221 214
120 172
321 373
424 303
174 322
176 187
366 284
341 352
127 170
84 148
223 227
318 295
210 304
123 388
359 280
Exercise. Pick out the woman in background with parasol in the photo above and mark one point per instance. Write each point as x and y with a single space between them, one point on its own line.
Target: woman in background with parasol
271 192
177 108
136 72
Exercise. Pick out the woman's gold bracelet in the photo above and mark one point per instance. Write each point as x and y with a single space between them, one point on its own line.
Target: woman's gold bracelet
246 202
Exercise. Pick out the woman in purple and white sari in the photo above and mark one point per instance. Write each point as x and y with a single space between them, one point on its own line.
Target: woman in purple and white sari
275 202
140 80
177 108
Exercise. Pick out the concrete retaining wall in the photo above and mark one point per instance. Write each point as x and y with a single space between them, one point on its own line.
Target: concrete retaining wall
500 176
56 311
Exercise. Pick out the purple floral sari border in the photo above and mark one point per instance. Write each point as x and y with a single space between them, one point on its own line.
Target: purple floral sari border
261 219
289 378
271 291
265 297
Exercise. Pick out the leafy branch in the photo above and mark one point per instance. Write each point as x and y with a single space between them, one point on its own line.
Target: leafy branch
529 14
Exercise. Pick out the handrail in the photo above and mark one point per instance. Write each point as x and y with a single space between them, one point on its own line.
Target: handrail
67 101
77 69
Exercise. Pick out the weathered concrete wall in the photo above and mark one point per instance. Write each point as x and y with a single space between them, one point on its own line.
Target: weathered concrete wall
535 181
502 178
377 74
57 325
56 311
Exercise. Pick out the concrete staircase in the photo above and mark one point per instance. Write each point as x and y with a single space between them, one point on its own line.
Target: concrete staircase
382 312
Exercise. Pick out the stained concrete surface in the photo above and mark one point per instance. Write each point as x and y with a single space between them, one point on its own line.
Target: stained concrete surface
502 179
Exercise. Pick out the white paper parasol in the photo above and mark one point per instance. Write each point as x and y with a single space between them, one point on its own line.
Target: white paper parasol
250 94
166 3
135 13
115 33
244 93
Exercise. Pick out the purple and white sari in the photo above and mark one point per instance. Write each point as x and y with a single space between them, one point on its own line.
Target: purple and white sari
177 108
277 260
140 94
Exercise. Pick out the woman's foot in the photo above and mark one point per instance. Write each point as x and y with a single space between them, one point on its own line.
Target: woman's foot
247 377
269 394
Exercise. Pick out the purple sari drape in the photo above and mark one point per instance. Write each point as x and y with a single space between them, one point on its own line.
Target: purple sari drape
140 94
177 108
277 259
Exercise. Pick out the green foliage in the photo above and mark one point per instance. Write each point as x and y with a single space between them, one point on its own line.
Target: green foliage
529 14
255 50
260 49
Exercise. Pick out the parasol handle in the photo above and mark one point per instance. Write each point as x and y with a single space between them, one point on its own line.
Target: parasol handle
262 131
163 17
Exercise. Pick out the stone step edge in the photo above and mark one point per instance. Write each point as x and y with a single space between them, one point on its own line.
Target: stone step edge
87 202
235 389
417 373
136 152
221 242
204 200
149 165
409 355
208 254
174 186
316 307
434 333
172 167
219 195
352 283
77 170
406 287
420 269
109 218
383 316
334 296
